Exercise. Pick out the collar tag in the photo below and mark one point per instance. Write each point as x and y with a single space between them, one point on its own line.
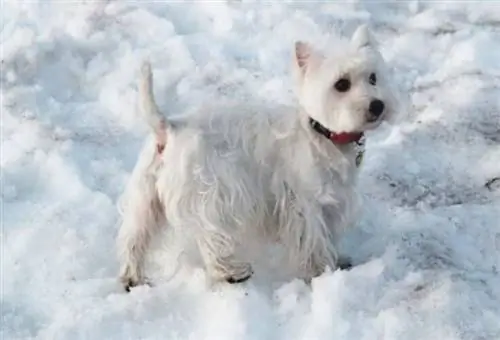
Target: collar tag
360 151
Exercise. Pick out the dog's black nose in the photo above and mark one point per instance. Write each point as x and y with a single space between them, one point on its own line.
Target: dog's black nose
376 107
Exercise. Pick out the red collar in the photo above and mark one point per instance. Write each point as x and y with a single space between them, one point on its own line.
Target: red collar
336 138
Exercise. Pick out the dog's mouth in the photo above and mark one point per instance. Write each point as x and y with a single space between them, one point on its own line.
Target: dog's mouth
374 121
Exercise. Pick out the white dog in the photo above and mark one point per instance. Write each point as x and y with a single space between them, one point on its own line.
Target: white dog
234 173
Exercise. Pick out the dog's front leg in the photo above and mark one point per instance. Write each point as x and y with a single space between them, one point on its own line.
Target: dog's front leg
325 227
326 255
319 263
321 258
220 260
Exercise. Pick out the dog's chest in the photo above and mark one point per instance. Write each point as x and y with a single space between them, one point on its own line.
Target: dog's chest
319 177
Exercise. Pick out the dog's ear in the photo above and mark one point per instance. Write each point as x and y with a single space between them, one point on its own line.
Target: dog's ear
304 56
362 37
303 53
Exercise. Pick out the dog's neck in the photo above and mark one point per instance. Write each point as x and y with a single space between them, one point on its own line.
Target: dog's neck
355 139
336 138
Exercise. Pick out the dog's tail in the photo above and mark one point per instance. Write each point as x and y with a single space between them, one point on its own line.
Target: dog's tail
156 120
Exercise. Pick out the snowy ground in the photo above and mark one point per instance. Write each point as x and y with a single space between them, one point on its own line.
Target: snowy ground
427 249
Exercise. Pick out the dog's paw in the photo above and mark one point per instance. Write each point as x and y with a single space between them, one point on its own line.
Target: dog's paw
130 277
233 280
129 283
344 263
129 280
243 273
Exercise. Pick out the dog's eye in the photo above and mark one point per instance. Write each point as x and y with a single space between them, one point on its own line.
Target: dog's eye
343 85
373 79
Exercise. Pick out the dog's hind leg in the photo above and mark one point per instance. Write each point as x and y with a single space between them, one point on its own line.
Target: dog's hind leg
142 215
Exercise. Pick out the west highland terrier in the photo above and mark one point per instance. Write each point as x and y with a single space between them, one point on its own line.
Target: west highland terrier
231 173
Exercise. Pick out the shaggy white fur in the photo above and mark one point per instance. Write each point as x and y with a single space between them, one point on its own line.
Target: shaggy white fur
234 172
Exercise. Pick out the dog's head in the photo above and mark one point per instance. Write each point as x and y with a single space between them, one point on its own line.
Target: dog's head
346 90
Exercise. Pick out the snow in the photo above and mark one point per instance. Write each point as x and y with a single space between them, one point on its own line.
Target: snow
427 250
